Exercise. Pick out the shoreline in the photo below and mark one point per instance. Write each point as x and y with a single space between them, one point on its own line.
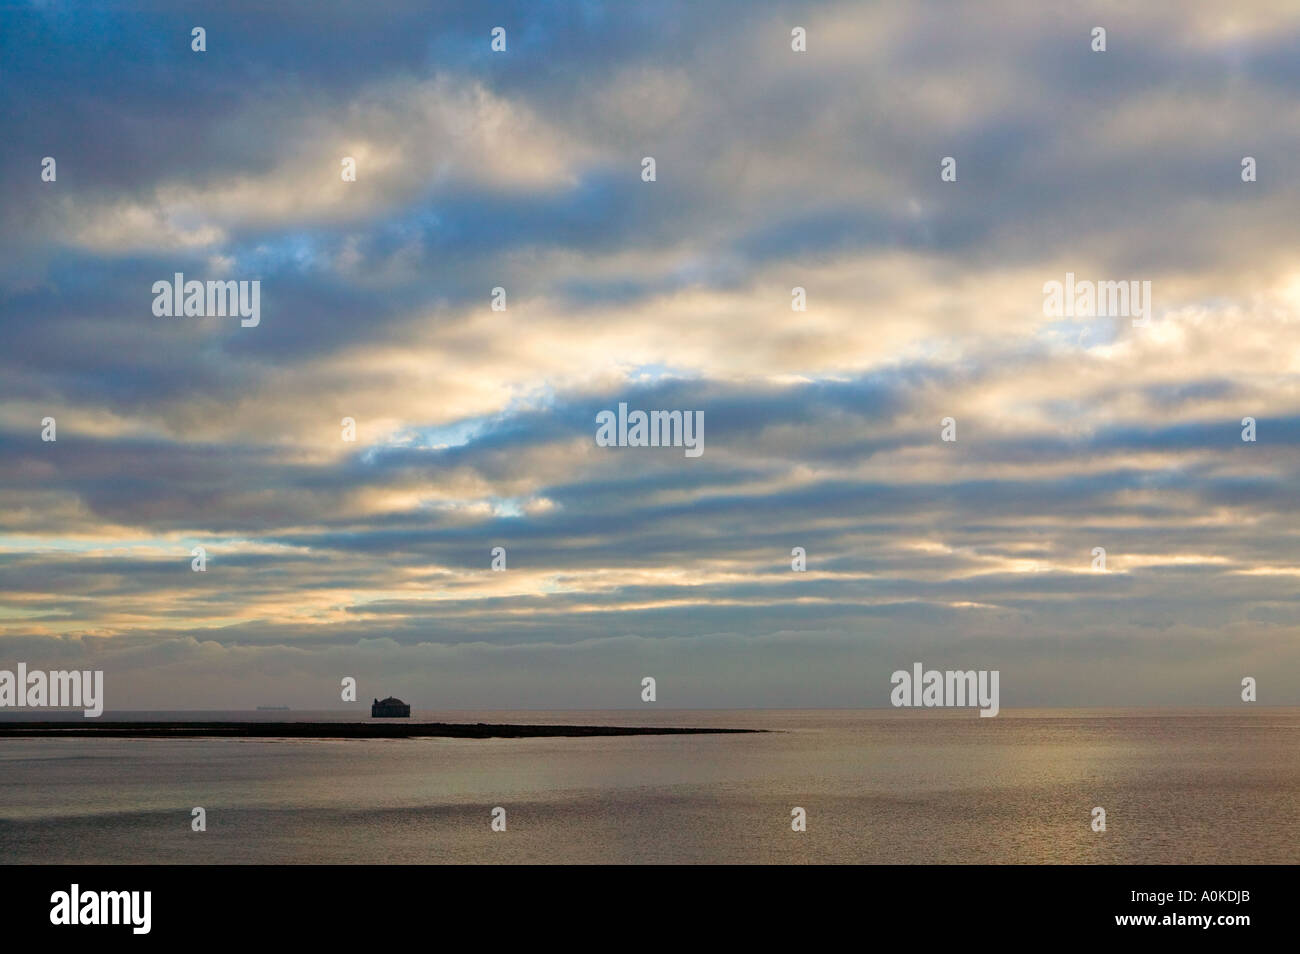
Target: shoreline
335 730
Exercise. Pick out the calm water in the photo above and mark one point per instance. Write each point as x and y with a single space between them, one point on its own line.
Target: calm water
1205 786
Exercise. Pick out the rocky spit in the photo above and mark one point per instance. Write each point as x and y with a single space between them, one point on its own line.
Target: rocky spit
332 730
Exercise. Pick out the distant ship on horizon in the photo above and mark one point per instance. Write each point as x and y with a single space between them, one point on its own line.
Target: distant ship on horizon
390 708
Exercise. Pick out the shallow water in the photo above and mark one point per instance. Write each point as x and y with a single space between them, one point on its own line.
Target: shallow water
899 786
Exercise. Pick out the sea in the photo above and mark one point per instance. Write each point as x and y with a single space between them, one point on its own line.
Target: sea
1208 786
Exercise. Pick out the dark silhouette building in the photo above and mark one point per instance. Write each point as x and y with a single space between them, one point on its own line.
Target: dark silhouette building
390 708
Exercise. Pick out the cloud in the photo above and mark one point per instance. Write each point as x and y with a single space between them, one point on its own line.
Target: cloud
475 426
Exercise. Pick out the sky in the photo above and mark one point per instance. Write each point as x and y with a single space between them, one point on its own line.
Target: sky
475 428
